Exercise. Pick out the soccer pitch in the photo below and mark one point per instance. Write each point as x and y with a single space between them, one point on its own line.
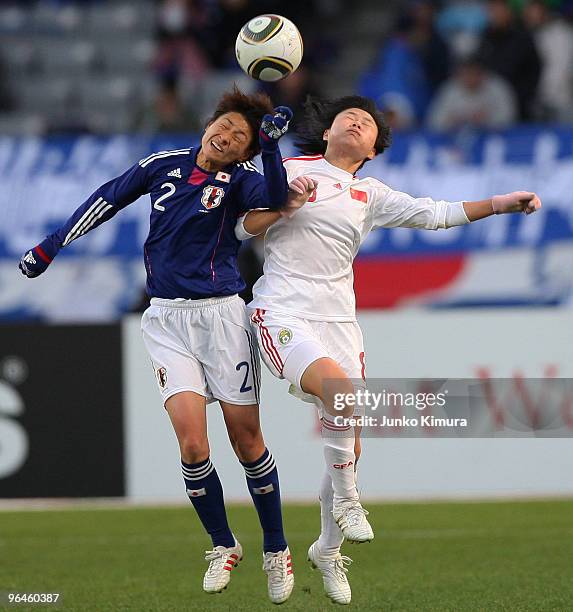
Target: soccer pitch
426 557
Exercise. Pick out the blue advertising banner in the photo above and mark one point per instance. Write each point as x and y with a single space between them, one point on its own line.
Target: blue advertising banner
500 261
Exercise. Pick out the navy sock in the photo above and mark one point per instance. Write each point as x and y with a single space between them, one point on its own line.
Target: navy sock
263 483
206 494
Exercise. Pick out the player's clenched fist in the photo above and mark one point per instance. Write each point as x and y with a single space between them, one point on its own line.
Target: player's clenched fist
517 201
36 260
274 127
300 189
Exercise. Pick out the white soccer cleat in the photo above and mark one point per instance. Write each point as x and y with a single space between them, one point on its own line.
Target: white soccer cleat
333 574
221 562
350 516
278 568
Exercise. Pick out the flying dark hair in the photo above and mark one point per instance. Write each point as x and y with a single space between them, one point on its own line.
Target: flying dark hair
253 107
319 115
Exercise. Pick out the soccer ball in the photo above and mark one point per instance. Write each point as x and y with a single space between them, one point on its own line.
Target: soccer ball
269 47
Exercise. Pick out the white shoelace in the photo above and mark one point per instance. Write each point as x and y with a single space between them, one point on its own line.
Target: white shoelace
339 568
355 514
276 566
216 559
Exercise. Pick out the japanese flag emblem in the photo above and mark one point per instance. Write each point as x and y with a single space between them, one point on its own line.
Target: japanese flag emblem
212 196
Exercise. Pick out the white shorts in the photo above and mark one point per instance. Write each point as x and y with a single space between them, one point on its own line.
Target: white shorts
205 346
288 345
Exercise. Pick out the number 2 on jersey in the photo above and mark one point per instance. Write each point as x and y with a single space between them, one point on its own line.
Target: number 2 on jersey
170 191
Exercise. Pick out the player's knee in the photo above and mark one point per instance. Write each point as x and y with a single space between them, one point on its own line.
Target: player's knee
338 397
326 379
193 449
248 444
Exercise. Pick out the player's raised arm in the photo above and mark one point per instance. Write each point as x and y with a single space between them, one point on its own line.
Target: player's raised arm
270 191
273 128
515 202
101 206
257 222
397 209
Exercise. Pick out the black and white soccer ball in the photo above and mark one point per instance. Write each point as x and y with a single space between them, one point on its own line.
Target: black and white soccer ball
269 47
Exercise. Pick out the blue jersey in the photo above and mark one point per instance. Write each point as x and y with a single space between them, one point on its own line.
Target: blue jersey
191 250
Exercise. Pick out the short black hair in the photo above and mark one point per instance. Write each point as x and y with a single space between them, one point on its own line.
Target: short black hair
253 107
319 115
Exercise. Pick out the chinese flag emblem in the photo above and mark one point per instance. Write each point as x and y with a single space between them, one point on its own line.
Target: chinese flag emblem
357 194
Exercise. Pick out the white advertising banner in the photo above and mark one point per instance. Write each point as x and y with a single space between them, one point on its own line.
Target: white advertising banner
480 344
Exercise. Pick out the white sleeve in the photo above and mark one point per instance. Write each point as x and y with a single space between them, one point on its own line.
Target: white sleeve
396 209
293 170
240 231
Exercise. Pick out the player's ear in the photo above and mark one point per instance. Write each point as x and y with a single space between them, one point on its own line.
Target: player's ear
372 154
325 135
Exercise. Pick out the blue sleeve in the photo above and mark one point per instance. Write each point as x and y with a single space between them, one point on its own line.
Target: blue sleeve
268 191
103 204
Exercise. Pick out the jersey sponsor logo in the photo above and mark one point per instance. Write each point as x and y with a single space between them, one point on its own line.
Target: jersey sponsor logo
176 173
358 194
224 177
285 336
162 377
212 196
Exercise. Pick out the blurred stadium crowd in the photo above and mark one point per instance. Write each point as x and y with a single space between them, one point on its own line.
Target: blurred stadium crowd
108 66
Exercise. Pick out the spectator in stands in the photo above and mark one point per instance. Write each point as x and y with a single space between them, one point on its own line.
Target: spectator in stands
226 19
554 40
473 97
429 43
398 81
180 52
508 49
461 23
168 113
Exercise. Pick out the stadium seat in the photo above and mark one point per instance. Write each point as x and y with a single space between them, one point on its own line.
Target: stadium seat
19 56
212 87
107 20
104 93
42 94
127 56
14 19
66 57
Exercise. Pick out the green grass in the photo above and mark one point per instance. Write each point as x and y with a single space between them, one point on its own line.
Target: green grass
426 557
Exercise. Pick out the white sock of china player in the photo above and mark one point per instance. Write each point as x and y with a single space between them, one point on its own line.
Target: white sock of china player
331 537
338 442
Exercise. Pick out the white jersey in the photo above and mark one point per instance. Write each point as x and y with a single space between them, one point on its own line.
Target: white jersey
308 258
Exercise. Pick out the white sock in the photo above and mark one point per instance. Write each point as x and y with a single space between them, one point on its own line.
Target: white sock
339 456
331 537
